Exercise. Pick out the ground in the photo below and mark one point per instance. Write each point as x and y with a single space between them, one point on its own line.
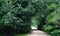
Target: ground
38 33
35 32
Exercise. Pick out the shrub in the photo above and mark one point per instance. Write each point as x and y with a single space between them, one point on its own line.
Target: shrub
23 29
48 28
17 19
9 22
56 32
52 29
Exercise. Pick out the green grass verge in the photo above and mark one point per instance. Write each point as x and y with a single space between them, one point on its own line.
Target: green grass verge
15 34
20 35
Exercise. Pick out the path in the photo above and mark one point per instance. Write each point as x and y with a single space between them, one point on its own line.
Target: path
38 33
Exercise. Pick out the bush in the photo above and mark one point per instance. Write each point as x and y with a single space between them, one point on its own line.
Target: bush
48 28
23 29
52 29
17 19
9 22
56 32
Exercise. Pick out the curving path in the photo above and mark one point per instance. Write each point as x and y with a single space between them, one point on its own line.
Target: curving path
38 33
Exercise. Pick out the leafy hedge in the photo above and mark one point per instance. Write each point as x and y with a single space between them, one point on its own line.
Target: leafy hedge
56 32
14 18
53 31
48 28
15 23
53 26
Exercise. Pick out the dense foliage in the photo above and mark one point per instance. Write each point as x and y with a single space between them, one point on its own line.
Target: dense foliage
19 15
14 17
48 15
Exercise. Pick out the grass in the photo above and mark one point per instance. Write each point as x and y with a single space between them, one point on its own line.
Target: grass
15 34
20 35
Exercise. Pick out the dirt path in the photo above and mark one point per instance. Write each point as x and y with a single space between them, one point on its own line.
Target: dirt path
36 32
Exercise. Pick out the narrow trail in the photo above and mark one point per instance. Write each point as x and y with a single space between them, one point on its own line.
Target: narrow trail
38 33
